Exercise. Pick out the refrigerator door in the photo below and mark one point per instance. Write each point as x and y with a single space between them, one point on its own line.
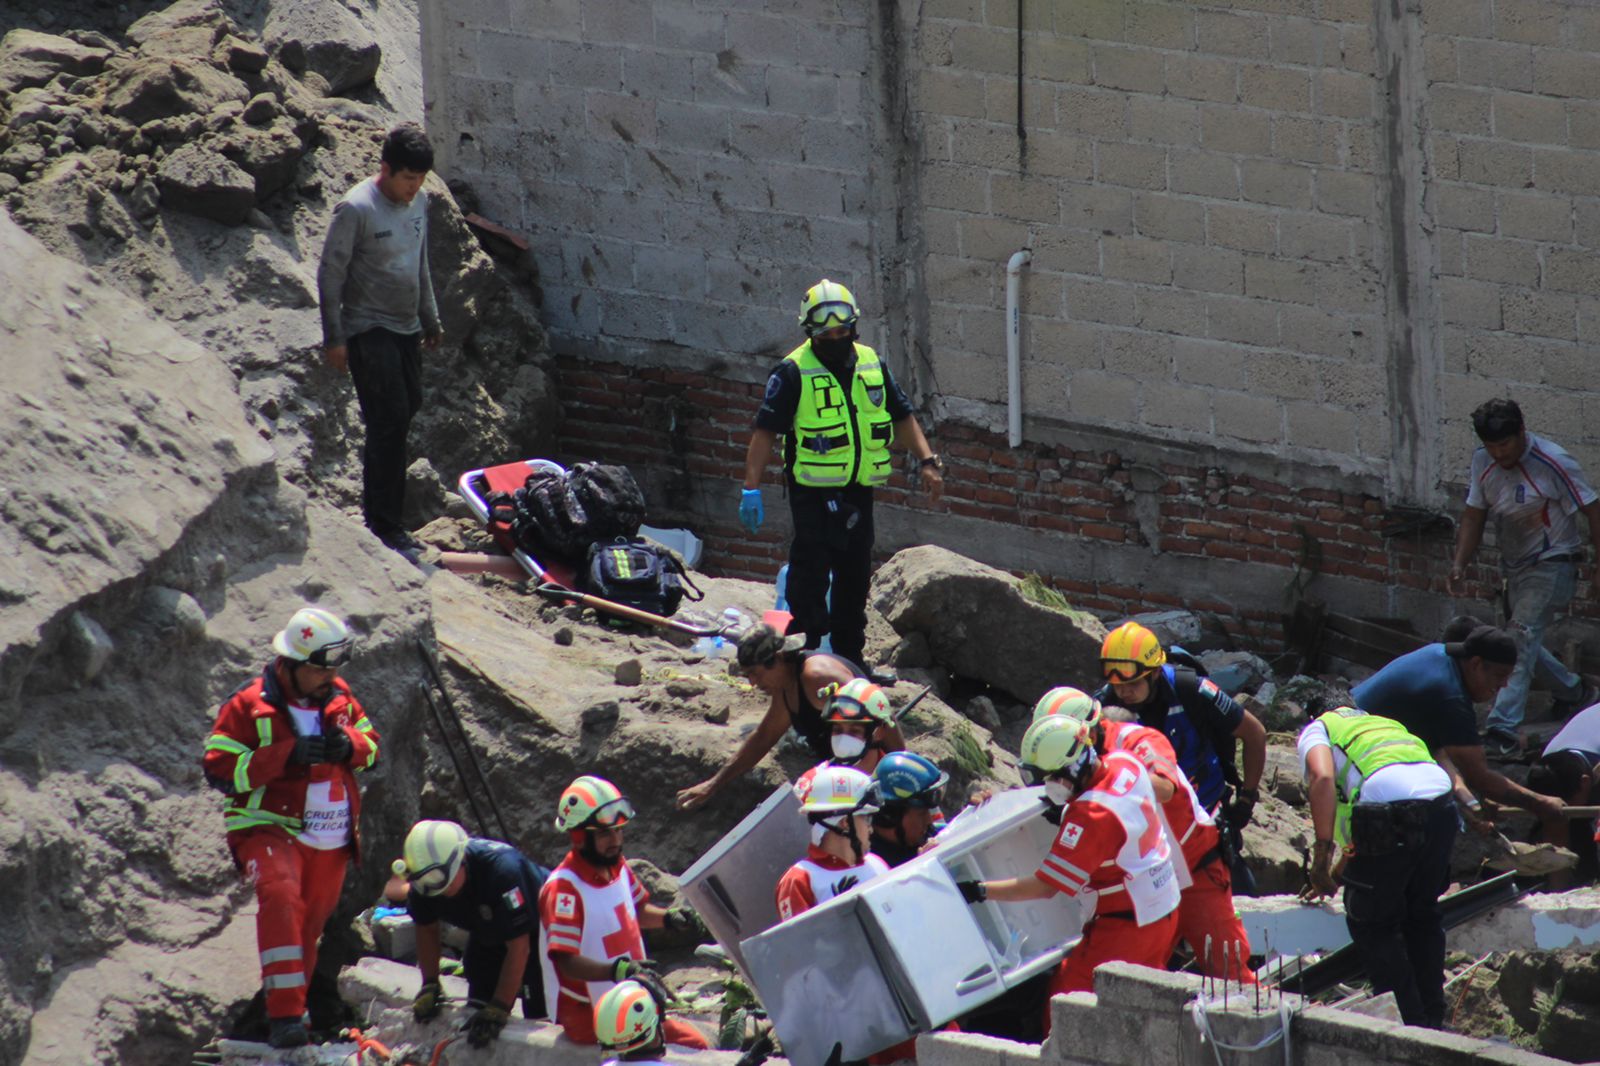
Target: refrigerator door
822 981
733 885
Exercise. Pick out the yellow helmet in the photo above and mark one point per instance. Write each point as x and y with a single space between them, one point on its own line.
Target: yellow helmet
626 1018
590 802
827 305
1056 745
433 853
1131 652
1072 702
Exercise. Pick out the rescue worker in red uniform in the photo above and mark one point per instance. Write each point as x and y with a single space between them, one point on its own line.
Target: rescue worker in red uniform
285 749
1207 919
591 909
1111 841
838 804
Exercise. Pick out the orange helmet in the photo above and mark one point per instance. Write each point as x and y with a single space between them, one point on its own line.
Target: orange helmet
1131 652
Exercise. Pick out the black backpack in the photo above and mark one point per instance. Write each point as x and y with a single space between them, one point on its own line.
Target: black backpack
558 516
637 573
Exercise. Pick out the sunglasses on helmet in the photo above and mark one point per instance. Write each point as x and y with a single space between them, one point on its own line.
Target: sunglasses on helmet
1124 671
332 656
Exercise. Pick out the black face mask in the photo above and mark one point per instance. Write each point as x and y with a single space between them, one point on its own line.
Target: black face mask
834 353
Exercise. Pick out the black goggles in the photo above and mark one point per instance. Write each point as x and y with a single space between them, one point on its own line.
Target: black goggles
430 880
332 656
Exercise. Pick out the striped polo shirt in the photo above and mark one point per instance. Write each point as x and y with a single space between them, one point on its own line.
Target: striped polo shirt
1535 503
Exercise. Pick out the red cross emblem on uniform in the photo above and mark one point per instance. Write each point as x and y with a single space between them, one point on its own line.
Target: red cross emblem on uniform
622 942
306 633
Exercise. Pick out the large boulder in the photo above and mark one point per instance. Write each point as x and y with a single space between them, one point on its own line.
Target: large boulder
185 28
203 182
978 623
162 87
29 58
269 155
325 37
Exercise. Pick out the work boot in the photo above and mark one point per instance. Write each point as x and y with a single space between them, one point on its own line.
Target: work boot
288 1032
1588 696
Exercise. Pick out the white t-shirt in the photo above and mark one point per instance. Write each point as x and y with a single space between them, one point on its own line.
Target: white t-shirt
325 825
1535 504
1402 781
1581 733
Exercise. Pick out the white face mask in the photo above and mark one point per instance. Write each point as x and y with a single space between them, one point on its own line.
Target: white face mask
1058 792
848 747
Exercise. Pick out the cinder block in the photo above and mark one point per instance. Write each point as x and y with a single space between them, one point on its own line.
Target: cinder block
1163 121
724 79
1227 34
806 92
1208 269
1103 397
991 145
1134 69
1305 42
483 14
620 22
1306 140
1095 21
1314 331
662 75
1092 111
1169 218
1373 434
1505 66
1583 28
764 138
665 174
480 102
668 270
1348 288
985 50
1439 58
599 66
994 239
1316 237
1464 207
941 231
1345 10
692 127
1285 376
963 373
1203 173
1469 303
1177 407
1241 226
1196 77
620 116
1246 321
1230 129
999 97
983 331
960 10
1503 260
1135 259
1106 302
1247 416
956 188
1356 50
1345 94
681 25
1344 192
1136 166
1583 124
1562 73
1565 171
1070 344
1528 21
812 192
1209 363
1266 181
560 20
1530 119
1159 25
1460 109
1058 155
1568 366
1277 88
1282 280
1570 270
1097 207
1070 251
1035 199
1169 310
507 56
834 143
1544 314
962 281
734 182
1059 59
1459 18
1587 217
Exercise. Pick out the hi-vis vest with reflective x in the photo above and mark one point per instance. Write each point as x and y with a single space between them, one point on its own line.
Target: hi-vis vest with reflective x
841 438
1369 744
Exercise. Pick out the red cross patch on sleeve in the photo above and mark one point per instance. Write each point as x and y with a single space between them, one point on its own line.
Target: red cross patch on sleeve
1071 834
566 904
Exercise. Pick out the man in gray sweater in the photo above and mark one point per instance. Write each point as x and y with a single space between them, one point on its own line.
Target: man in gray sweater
378 312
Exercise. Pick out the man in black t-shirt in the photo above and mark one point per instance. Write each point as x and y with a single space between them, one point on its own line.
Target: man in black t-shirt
490 890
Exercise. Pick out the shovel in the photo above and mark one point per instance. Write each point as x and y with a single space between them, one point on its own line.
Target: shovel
1529 860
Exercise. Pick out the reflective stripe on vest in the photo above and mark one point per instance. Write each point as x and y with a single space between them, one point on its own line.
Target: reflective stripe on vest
1369 743
841 438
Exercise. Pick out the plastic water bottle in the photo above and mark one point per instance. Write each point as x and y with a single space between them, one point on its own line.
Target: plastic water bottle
782 603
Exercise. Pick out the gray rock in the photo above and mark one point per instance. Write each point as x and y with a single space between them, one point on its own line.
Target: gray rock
159 87
716 715
271 156
981 710
144 200
1236 671
686 688
246 57
912 652
563 637
1312 695
629 672
30 58
173 615
425 493
600 716
1171 627
261 109
89 647
184 28
333 42
201 182
979 625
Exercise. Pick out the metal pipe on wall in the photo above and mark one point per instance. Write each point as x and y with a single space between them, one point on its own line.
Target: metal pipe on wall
1014 343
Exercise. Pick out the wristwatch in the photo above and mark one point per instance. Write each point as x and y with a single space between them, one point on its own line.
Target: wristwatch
932 460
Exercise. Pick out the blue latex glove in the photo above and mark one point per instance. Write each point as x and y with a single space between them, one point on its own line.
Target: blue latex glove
750 510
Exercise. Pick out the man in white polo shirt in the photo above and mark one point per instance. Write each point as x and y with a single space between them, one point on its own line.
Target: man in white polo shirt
1535 491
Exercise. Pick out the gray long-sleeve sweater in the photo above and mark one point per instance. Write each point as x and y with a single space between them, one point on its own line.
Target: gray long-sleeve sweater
374 269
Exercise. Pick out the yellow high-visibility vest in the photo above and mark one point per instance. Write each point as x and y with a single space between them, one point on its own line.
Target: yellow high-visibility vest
841 438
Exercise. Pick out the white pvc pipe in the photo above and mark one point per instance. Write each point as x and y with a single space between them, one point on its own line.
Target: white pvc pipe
1014 343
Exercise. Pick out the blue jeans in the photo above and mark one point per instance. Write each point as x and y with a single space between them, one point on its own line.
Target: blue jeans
1537 592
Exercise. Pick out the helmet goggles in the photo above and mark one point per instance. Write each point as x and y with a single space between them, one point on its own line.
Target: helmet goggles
430 880
826 316
1125 671
611 814
331 656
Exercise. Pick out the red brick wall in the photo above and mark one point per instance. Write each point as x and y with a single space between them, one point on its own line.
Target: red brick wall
684 433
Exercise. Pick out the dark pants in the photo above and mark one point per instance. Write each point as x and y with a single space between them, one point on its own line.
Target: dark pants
1391 906
387 370
832 536
482 962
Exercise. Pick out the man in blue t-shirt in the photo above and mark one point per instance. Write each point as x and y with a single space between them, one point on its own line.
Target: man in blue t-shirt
490 890
1431 691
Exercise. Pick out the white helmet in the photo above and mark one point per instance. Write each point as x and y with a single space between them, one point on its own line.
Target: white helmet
316 637
840 790
433 852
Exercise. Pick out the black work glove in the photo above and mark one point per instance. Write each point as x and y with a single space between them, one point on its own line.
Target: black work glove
643 971
972 891
429 1002
308 750
484 1027
337 747
1243 808
845 884
682 920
